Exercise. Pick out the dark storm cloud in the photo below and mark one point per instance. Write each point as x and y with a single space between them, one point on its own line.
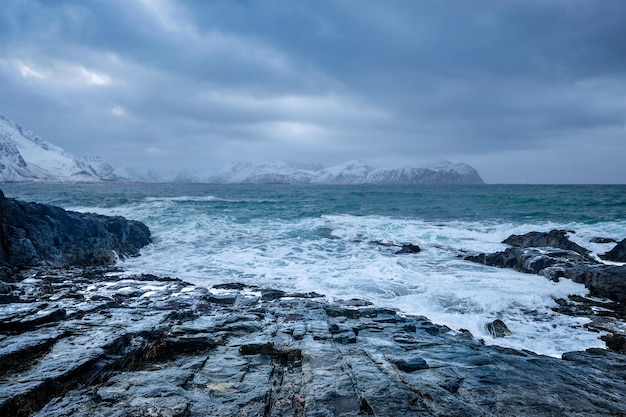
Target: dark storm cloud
196 84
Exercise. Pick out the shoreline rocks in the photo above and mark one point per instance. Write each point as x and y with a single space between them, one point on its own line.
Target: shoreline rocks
33 234
79 340
554 256
159 346
617 254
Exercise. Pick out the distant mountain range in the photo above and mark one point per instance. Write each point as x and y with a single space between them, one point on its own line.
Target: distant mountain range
353 172
25 157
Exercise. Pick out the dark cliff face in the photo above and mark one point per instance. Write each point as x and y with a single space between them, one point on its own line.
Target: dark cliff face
34 234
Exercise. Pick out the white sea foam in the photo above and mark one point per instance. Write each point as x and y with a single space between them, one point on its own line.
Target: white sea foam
185 198
346 256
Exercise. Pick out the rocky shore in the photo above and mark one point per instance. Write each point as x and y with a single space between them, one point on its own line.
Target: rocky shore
34 235
553 255
93 343
82 339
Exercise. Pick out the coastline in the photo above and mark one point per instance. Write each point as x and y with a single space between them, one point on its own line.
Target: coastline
91 343
85 339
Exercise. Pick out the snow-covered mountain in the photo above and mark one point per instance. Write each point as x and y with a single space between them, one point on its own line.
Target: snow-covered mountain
24 156
352 172
442 172
269 172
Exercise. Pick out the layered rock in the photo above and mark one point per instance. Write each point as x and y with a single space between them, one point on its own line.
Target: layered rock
553 255
93 342
552 239
33 234
557 257
157 346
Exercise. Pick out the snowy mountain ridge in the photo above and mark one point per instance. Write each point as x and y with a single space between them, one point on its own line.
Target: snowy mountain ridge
24 156
351 172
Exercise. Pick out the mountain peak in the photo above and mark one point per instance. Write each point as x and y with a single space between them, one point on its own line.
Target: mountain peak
24 156
351 172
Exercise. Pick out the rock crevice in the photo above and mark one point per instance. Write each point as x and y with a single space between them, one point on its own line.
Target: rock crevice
166 348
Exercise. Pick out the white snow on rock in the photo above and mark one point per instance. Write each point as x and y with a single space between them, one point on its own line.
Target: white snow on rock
24 156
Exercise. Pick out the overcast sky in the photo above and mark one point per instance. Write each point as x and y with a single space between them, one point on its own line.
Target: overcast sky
526 91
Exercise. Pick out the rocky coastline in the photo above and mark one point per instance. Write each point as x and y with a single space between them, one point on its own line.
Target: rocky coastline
79 338
36 235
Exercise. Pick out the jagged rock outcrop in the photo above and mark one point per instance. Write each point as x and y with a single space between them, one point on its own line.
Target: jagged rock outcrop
408 248
99 345
34 234
617 254
552 239
554 256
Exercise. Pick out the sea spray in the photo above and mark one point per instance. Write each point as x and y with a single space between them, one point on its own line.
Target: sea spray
341 241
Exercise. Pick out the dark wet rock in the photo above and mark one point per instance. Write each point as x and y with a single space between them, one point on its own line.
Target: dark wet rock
465 334
605 316
34 234
8 293
339 311
32 319
6 288
411 364
498 328
602 280
552 239
271 294
615 342
563 260
311 294
600 239
529 260
409 248
182 353
355 302
231 286
224 299
555 263
404 249
617 254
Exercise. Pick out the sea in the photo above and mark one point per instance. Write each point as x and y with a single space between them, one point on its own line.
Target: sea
341 240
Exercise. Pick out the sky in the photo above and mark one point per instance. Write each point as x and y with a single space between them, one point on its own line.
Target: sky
526 91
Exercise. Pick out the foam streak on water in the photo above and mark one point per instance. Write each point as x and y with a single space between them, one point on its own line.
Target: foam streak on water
339 242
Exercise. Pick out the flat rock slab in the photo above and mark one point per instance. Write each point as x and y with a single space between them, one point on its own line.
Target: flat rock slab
157 346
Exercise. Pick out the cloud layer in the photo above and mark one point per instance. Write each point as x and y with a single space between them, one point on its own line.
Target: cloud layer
524 90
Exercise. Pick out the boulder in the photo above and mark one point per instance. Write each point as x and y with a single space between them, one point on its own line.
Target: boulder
409 248
497 328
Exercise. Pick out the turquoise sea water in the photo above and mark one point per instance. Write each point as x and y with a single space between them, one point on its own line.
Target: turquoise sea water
319 238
